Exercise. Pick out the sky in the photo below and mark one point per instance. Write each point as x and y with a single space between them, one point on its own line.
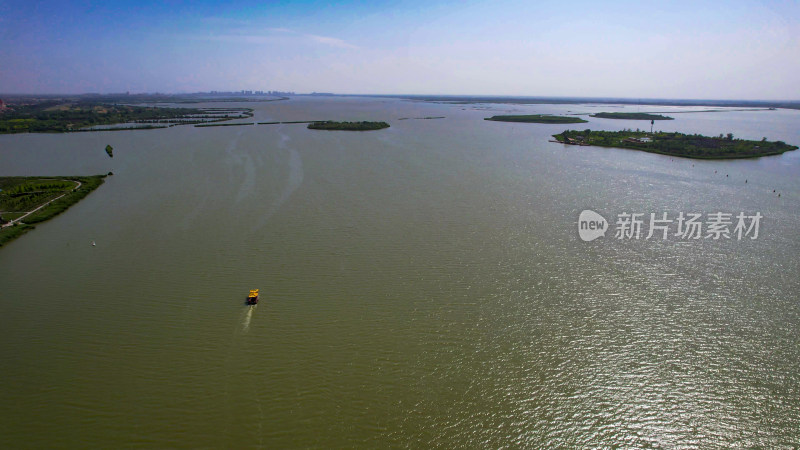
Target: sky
633 49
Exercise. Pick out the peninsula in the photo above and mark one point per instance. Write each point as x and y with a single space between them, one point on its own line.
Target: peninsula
677 144
25 201
348 126
537 118
59 116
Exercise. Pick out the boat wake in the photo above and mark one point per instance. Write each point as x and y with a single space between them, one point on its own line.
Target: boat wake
247 316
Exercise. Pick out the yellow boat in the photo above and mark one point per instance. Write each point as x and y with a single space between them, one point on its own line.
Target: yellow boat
252 299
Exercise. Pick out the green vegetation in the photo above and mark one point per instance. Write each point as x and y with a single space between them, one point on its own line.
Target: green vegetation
677 144
8 234
348 126
54 116
631 116
53 195
537 118
137 127
110 150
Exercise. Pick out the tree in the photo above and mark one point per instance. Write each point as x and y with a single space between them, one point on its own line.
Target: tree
730 136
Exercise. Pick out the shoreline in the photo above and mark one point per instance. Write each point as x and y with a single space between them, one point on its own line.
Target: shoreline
50 208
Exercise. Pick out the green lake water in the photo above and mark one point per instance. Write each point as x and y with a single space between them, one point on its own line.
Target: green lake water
421 286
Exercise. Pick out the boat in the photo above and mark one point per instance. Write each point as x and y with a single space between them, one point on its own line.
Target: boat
252 299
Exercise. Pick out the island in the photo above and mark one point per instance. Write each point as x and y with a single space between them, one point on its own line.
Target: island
25 201
676 144
348 126
537 118
631 116
110 150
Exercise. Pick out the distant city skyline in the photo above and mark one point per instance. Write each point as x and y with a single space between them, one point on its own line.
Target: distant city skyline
743 50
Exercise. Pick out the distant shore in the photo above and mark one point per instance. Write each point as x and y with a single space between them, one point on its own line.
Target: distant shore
524 100
58 116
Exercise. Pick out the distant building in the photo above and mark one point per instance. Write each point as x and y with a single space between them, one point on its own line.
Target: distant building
641 140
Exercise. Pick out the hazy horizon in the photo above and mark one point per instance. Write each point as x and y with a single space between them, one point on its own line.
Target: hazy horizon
626 100
683 50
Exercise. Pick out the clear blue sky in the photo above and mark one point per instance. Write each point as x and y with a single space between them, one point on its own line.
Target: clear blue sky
667 49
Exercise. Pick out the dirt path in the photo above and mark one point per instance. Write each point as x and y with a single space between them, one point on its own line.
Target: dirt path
18 219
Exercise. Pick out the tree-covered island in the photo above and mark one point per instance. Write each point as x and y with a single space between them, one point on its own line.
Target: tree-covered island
631 116
536 118
348 126
677 144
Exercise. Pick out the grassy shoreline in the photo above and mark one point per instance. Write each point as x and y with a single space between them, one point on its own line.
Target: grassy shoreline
29 193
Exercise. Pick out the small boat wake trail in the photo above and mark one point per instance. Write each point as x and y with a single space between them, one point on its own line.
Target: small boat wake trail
247 316
231 364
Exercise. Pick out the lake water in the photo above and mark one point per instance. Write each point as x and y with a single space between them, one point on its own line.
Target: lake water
421 286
